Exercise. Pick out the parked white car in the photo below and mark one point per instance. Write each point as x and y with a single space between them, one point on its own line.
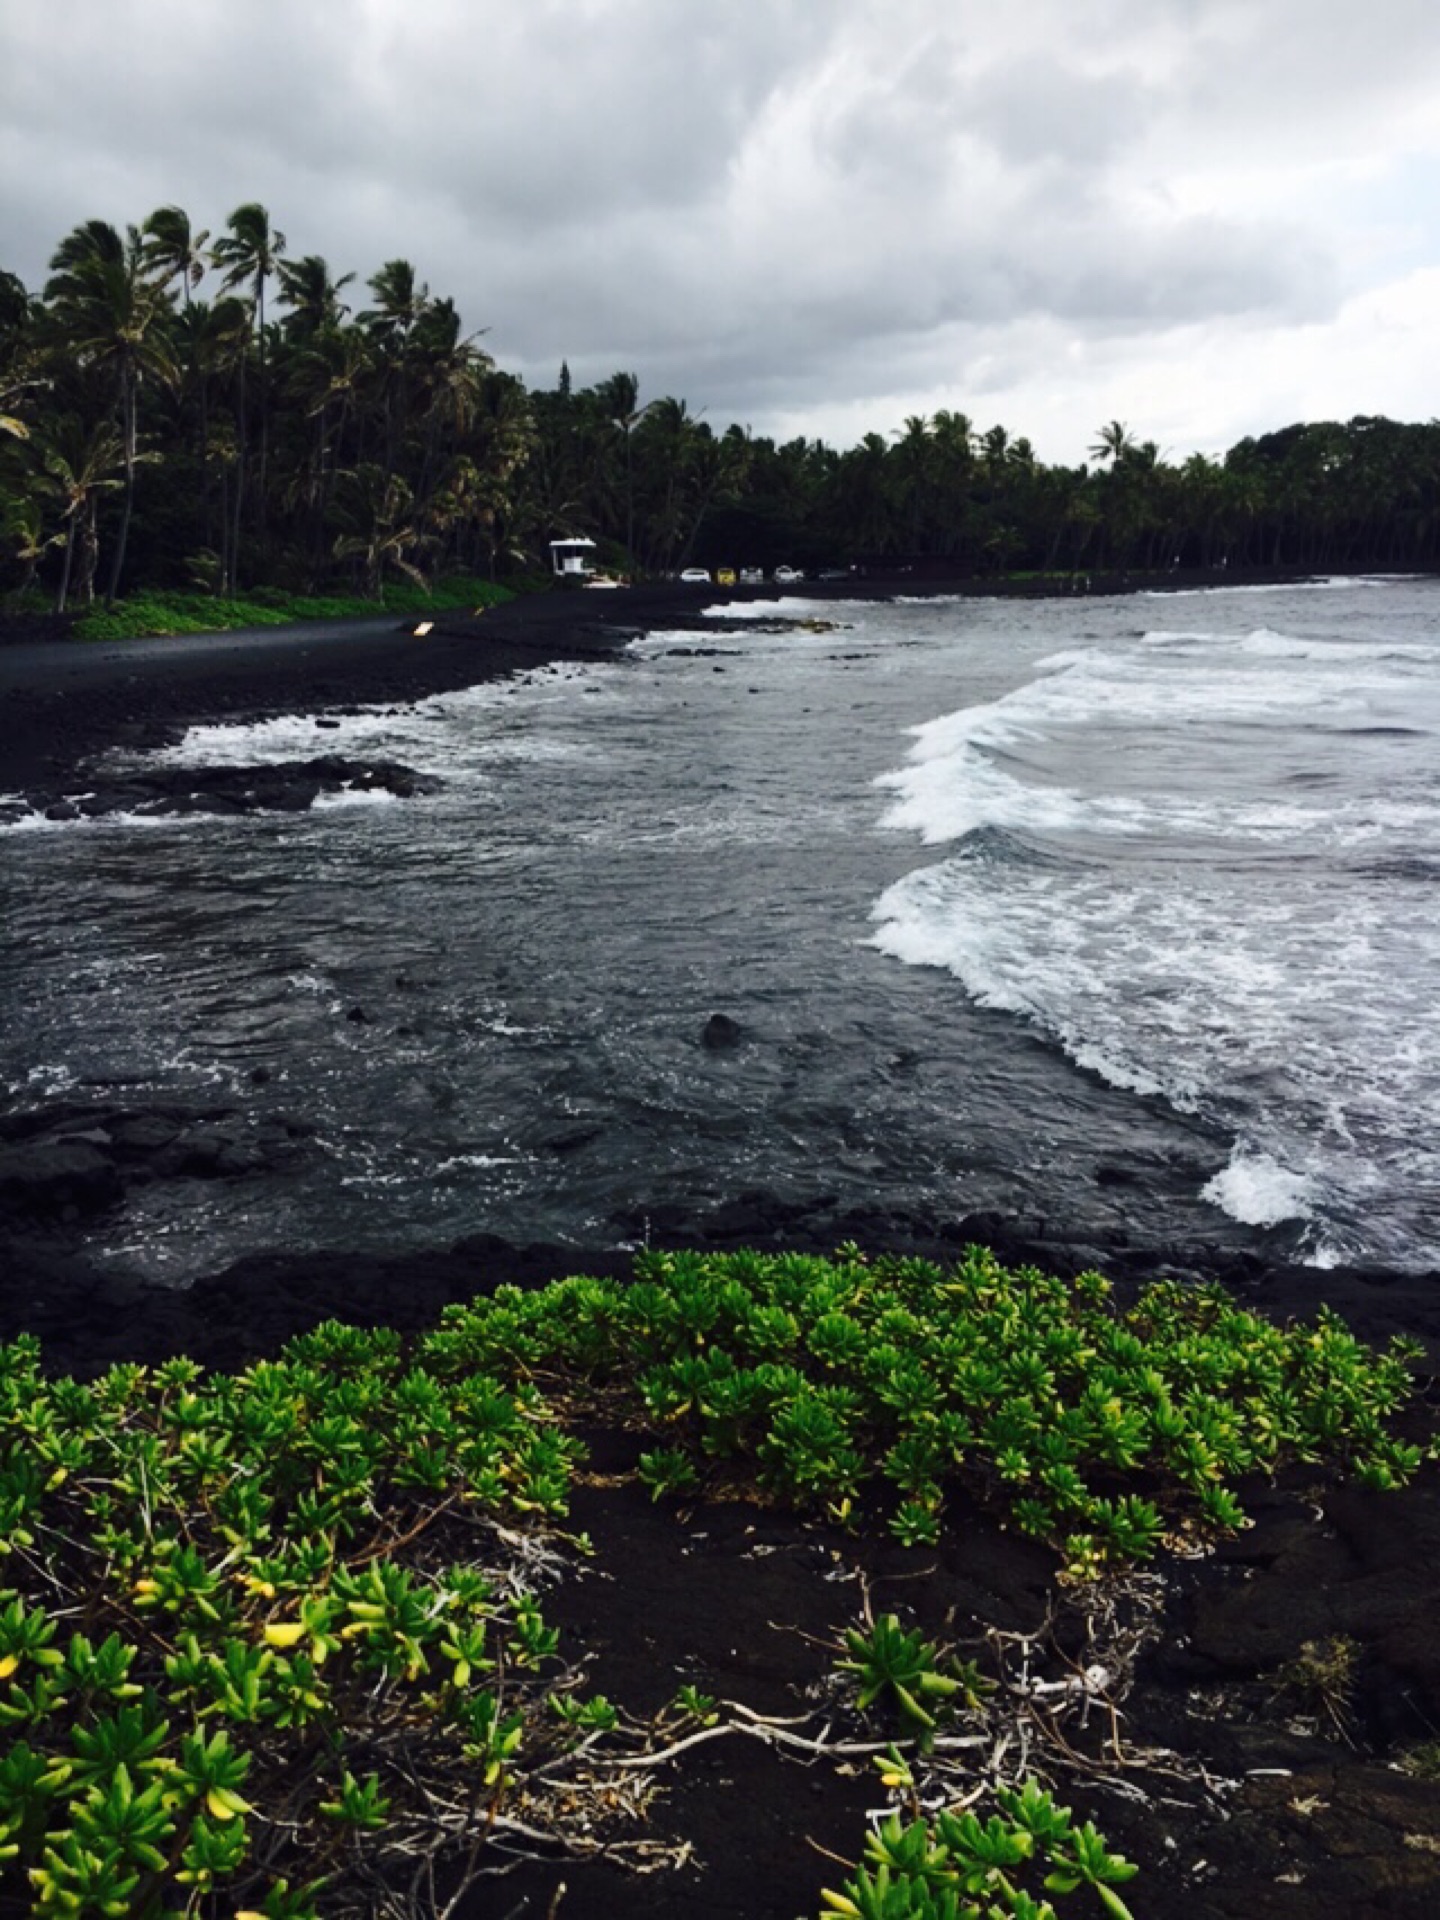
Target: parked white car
787 576
695 576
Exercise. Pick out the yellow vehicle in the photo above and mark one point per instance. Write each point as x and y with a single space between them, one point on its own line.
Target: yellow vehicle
725 576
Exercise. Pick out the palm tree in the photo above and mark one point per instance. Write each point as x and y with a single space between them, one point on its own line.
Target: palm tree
81 465
400 302
450 374
717 473
22 518
377 506
249 255
19 367
1114 442
912 461
313 297
863 505
212 338
326 377
620 396
666 442
952 466
171 246
995 447
111 317
173 250
502 438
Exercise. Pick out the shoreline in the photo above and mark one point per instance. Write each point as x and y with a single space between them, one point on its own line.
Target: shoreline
64 704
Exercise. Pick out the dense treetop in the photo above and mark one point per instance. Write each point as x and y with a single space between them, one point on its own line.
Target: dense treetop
178 407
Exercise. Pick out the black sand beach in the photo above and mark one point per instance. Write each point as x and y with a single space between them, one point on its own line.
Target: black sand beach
1311 1825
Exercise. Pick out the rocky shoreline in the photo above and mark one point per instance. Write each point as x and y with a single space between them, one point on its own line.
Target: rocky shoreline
65 705
1314 1820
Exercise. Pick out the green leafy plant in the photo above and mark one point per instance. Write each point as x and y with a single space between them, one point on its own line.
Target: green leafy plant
250 1571
301 1601
1099 1428
905 1669
697 1705
957 1866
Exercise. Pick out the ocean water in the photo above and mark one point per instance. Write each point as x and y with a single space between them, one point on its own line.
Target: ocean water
1119 916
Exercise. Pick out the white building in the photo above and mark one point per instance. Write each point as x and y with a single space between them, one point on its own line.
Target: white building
572 558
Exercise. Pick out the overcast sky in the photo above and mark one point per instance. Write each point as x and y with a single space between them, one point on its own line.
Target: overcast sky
1204 218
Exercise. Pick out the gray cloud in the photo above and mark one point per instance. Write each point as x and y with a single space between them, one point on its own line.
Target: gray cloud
793 207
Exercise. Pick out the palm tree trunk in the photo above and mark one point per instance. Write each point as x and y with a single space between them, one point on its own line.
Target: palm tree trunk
63 593
232 574
128 429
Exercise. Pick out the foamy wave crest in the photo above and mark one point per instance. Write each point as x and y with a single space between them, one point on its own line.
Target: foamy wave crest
954 916
435 734
109 822
1256 1190
787 607
344 797
952 786
1270 645
1156 870
967 769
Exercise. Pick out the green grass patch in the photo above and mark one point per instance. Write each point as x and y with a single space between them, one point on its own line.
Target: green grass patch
148 615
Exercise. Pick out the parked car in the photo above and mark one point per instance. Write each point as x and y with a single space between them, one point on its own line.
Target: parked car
695 576
752 576
787 576
725 576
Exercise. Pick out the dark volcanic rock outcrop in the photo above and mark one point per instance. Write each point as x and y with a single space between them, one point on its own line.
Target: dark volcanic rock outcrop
68 1163
287 787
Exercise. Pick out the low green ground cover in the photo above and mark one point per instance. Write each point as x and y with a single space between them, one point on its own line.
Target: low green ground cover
274 1643
944 1867
144 615
845 1382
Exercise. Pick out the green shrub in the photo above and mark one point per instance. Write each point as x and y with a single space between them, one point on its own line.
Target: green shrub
1101 1429
272 1604
955 1866
266 1635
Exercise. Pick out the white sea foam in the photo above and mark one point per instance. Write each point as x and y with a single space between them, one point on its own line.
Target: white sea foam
457 1161
122 819
1256 1189
960 773
435 735
1322 583
1139 875
1287 646
784 608
1268 643
34 823
344 797
953 788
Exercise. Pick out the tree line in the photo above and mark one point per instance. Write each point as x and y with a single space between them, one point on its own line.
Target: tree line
181 408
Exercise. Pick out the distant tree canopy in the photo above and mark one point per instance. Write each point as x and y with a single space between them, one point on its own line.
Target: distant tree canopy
178 408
